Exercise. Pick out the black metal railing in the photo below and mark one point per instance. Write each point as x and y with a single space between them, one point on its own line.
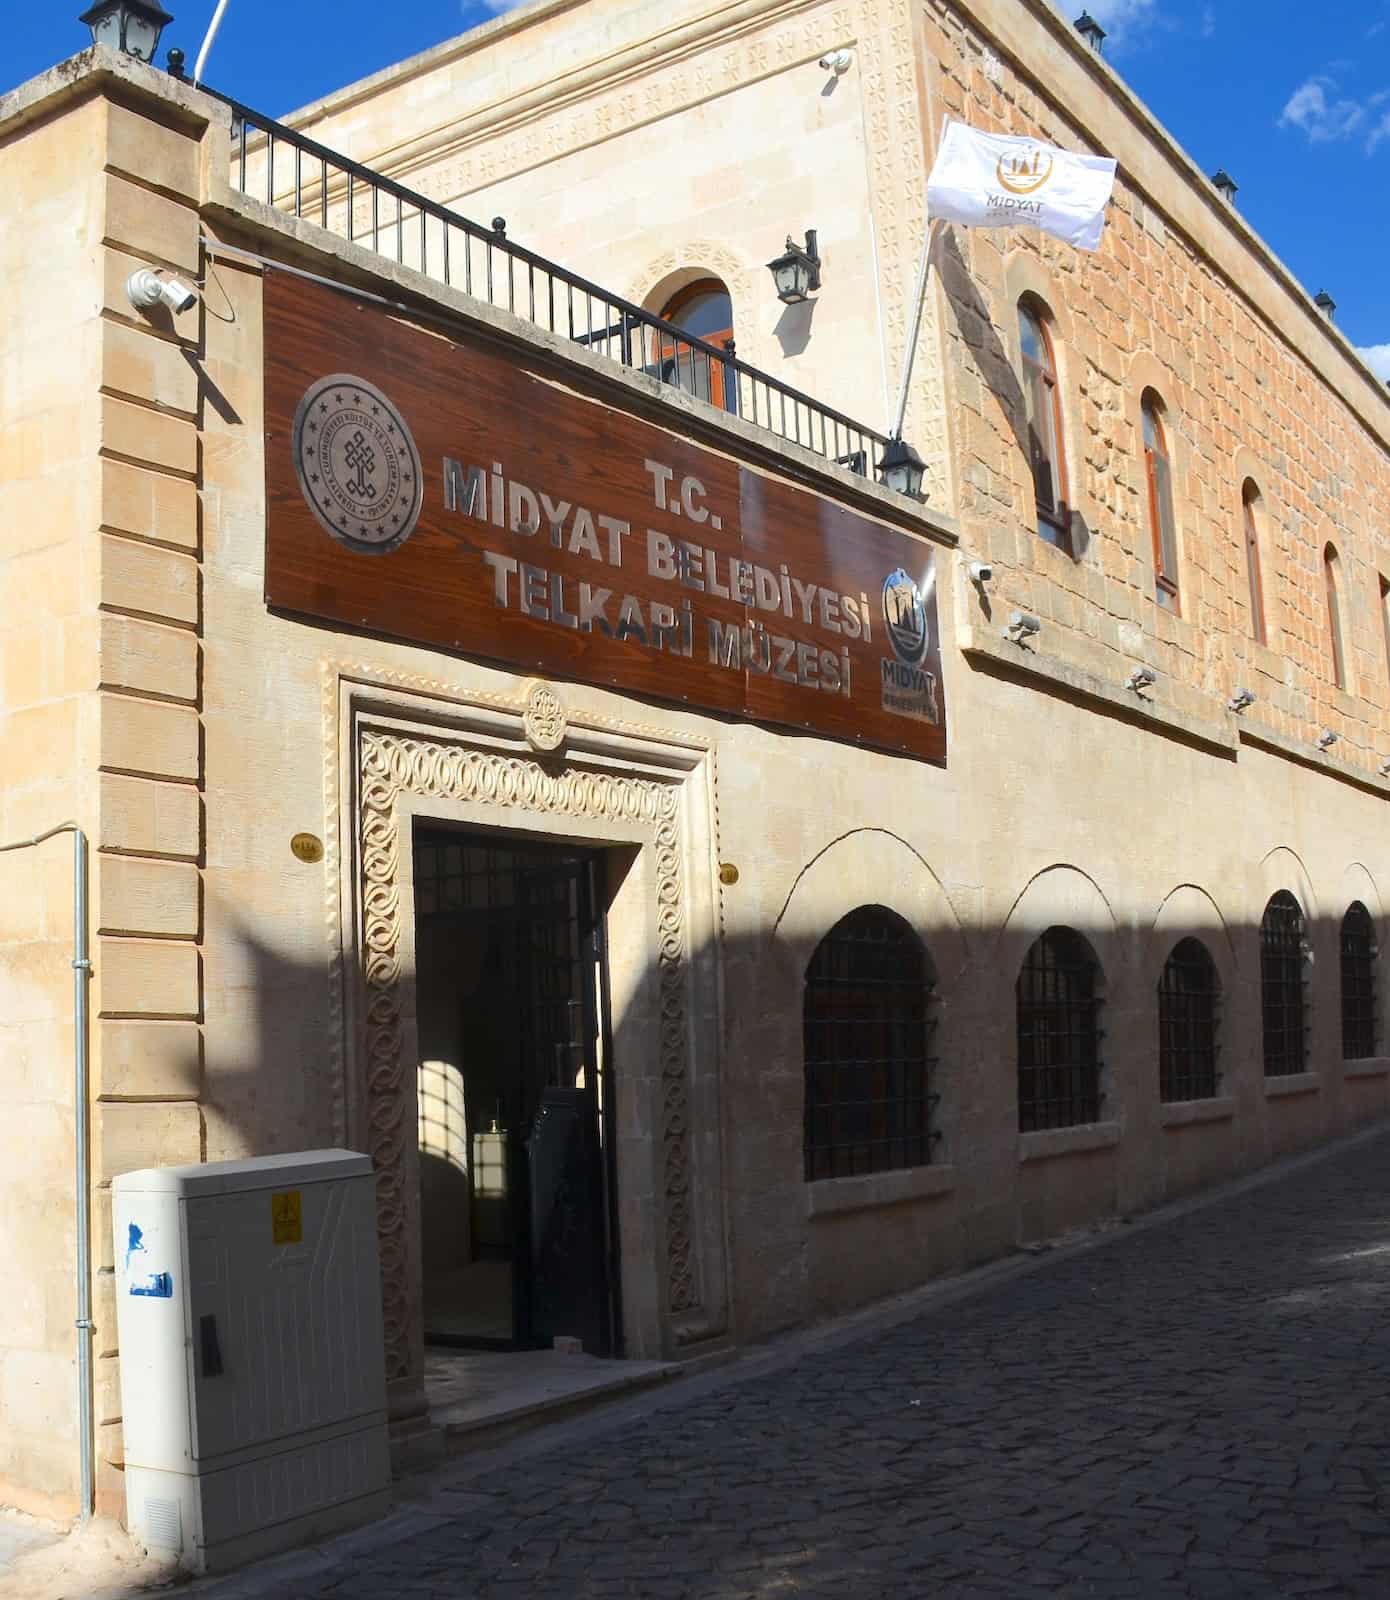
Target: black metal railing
295 174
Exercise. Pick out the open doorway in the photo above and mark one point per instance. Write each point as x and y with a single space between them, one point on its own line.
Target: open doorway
515 1099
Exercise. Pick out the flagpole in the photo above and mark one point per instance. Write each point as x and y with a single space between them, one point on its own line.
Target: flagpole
211 34
909 355
918 300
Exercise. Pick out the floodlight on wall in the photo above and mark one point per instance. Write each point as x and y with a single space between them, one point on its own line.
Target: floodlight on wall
1090 30
981 573
1326 739
1141 678
145 290
1022 625
131 26
837 61
1384 768
901 468
796 272
1240 700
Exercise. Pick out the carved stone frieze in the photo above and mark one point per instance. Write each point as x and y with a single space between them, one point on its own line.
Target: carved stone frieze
391 765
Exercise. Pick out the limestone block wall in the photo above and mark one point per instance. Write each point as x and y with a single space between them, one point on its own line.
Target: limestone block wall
48 732
1181 298
99 713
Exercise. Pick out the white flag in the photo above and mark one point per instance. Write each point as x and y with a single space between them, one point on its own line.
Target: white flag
996 180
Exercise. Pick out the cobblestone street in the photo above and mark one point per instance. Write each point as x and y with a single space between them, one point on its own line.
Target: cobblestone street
1196 1408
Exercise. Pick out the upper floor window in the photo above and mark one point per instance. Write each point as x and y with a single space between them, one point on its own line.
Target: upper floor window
1281 986
866 1033
1058 1040
1158 471
1358 983
1385 616
1046 457
1252 508
1331 564
1188 993
705 310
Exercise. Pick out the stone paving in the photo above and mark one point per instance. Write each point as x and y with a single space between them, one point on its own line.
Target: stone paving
1194 1409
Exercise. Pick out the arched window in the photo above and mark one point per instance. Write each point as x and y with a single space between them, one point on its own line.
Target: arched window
1281 986
866 1031
1158 471
1058 1042
705 310
1046 457
1188 994
1358 983
1331 565
1252 507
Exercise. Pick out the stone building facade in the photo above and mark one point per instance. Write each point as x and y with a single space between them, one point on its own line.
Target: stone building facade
246 1001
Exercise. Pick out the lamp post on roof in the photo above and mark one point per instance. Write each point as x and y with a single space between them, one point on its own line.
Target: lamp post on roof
1325 303
1225 185
1090 30
131 26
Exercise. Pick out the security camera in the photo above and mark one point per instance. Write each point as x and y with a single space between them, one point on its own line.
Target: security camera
1022 625
145 290
836 61
981 572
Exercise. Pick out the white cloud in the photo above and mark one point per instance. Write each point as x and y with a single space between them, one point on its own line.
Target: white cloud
1315 108
496 7
1377 358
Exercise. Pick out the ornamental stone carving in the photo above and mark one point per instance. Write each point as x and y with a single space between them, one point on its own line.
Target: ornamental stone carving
392 765
544 720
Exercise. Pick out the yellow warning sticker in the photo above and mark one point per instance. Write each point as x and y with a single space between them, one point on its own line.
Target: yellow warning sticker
287 1217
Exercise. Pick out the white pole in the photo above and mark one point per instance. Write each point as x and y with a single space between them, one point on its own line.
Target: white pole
910 353
207 42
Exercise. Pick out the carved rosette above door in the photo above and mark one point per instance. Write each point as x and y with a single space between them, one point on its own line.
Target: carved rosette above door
392 765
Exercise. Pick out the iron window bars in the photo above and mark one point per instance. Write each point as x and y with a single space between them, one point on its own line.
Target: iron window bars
1058 1039
1281 987
1358 983
1188 995
868 1069
295 174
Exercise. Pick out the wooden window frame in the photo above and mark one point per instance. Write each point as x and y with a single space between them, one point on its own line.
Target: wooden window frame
1330 561
1161 514
1058 519
1249 497
720 392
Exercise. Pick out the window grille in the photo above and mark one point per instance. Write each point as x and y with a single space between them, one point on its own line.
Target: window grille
1358 983
1281 986
867 1033
1058 1040
1188 994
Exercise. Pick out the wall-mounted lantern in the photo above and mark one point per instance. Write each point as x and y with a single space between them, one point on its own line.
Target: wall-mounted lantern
797 272
901 468
130 26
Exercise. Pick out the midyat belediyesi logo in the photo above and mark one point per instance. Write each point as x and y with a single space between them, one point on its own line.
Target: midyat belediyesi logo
1024 174
905 617
357 464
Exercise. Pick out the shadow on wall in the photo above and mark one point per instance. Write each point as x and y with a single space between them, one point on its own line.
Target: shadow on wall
977 330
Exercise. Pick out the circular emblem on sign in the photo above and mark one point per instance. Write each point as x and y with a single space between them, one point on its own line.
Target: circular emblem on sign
306 847
357 464
905 618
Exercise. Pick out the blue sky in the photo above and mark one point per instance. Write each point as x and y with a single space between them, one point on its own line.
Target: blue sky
1292 99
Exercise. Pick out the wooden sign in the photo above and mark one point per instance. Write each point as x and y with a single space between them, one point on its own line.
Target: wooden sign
430 489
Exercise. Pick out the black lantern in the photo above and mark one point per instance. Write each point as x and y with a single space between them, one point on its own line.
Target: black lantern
797 273
901 468
130 26
1090 30
1325 303
1225 185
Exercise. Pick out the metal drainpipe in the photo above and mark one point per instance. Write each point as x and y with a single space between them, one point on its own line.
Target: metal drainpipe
81 971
